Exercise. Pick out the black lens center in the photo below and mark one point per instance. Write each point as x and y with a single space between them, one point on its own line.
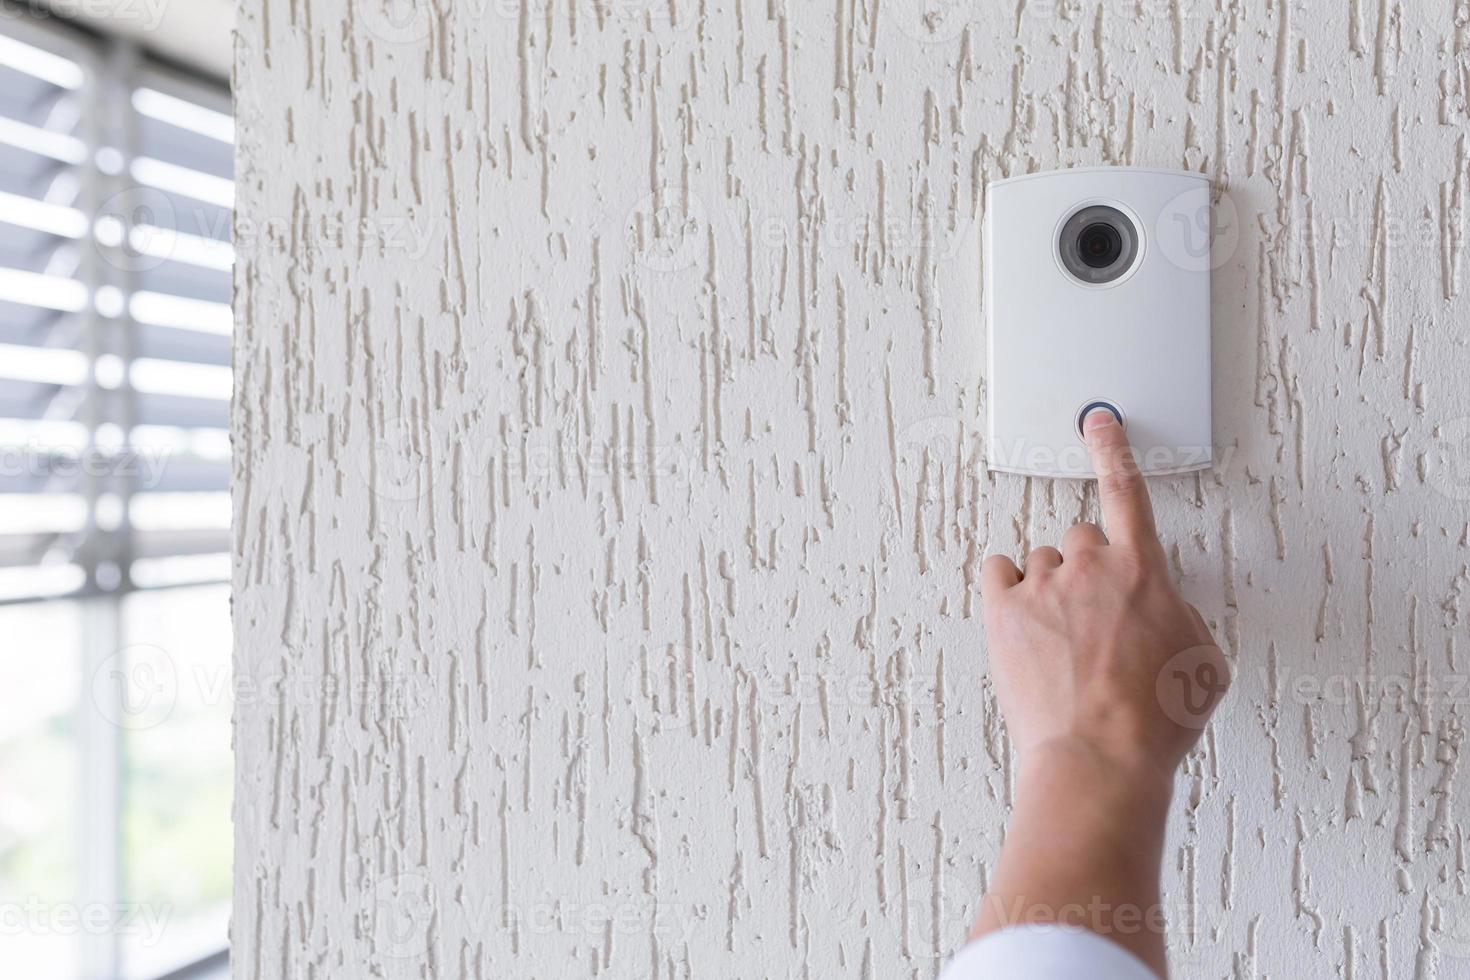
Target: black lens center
1099 245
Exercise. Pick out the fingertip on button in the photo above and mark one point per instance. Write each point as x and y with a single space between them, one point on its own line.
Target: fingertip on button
1095 413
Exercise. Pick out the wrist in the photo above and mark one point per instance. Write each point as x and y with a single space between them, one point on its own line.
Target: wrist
1087 832
1129 777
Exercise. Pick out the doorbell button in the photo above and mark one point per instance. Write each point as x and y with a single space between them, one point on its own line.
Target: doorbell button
1098 405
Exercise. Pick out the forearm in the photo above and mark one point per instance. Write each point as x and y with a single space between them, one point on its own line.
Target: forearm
1083 848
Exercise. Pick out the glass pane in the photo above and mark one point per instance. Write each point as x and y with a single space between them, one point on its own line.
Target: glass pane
39 921
177 779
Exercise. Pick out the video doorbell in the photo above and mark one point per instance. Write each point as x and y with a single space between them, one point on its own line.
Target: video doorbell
1097 285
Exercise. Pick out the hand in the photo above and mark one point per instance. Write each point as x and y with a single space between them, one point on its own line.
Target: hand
1106 678
1079 643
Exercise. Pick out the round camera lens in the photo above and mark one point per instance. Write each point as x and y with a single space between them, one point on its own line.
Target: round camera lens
1099 245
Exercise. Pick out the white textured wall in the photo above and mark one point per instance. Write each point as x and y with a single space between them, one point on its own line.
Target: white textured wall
609 501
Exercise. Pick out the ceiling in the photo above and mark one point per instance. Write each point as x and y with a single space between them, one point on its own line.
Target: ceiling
197 33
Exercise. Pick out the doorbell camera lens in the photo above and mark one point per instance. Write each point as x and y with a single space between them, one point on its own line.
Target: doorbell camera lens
1098 244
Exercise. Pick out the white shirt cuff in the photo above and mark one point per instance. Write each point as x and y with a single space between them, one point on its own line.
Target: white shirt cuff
1045 952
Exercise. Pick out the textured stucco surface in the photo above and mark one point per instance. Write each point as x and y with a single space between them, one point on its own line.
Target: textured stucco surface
609 508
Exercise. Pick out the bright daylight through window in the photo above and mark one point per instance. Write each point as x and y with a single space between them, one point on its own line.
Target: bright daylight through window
115 216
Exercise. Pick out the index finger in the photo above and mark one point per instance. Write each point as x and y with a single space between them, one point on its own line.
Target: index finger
1120 485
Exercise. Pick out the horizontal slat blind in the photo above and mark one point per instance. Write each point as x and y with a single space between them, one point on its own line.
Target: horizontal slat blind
43 326
116 190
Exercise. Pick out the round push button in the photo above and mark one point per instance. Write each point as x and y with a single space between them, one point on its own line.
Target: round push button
1098 404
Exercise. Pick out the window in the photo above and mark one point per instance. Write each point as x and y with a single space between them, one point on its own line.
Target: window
116 200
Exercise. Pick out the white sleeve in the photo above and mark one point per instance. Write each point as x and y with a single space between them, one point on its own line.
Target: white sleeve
1045 952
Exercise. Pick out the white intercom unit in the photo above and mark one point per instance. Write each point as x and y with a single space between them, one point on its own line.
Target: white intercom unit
1097 285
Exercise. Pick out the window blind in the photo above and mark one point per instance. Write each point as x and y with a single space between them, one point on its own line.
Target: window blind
116 200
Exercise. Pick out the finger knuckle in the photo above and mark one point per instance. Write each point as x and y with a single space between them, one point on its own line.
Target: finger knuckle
1136 577
1087 562
1041 559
